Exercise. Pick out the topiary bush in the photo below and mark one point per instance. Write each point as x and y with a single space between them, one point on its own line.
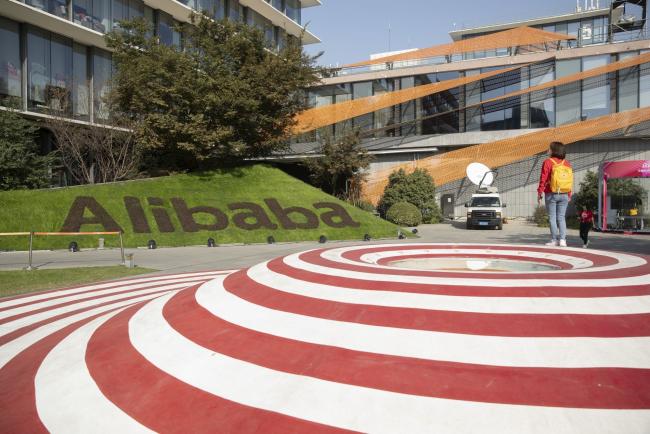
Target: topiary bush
540 216
416 188
431 213
404 214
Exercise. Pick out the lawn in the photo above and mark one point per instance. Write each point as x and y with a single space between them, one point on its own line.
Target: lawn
240 205
20 281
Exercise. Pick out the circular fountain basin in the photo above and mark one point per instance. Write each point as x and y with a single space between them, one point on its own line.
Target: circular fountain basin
471 264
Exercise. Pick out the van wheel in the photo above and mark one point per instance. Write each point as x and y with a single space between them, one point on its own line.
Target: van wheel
468 226
500 227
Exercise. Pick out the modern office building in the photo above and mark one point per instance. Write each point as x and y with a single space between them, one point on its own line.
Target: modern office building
493 84
49 46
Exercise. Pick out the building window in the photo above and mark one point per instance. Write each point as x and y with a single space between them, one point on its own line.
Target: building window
567 97
80 82
124 10
595 90
55 7
10 67
102 72
49 71
501 114
292 10
644 82
387 117
628 84
407 110
94 14
542 103
235 12
166 30
473 97
430 107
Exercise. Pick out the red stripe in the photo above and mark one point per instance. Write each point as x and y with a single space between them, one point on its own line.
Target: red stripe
166 404
561 265
278 266
596 259
17 393
76 300
28 328
469 323
314 257
604 388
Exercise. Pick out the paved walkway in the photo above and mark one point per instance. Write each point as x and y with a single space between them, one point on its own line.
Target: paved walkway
183 259
342 341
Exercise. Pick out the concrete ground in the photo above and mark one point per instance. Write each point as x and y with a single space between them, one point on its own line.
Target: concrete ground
200 258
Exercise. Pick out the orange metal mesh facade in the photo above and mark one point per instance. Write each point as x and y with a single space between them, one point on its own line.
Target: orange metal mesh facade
520 36
330 114
450 166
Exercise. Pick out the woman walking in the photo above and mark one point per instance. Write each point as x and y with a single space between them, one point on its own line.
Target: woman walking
555 187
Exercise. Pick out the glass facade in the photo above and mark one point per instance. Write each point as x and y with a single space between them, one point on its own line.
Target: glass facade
471 107
10 65
49 72
595 91
102 71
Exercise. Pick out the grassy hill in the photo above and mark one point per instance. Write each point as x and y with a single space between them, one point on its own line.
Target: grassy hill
243 205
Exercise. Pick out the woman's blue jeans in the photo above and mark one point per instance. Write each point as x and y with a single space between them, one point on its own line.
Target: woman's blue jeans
556 205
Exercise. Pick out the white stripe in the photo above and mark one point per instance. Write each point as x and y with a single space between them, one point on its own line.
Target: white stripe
558 352
353 407
295 262
57 293
31 319
11 349
67 398
371 259
623 260
79 297
457 303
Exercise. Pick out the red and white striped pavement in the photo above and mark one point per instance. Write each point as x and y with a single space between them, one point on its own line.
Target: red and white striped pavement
340 339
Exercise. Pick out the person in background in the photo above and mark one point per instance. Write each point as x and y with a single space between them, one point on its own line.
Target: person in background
586 217
555 187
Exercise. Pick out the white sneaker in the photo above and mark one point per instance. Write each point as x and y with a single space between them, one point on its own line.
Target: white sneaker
551 243
584 246
562 243
587 244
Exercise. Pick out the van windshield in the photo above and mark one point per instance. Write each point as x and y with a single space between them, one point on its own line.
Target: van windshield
485 202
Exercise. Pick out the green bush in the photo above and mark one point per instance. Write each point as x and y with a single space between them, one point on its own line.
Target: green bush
431 213
416 188
404 214
540 216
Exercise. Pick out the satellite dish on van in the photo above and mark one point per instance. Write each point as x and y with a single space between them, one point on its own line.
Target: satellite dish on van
479 174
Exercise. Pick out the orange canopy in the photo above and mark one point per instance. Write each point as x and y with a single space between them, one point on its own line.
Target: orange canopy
517 37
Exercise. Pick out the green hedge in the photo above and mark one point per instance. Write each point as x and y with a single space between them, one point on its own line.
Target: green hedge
404 214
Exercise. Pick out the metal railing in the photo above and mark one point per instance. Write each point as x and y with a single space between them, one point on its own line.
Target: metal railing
32 234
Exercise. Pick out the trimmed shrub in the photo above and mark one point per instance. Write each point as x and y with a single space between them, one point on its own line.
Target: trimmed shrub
404 214
416 188
431 213
540 217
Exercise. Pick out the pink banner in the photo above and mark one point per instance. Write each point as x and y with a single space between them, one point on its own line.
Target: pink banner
627 169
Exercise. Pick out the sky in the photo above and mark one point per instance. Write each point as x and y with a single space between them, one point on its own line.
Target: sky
350 30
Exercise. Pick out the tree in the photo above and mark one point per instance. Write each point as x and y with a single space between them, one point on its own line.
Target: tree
616 188
416 188
224 97
340 168
94 153
21 165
